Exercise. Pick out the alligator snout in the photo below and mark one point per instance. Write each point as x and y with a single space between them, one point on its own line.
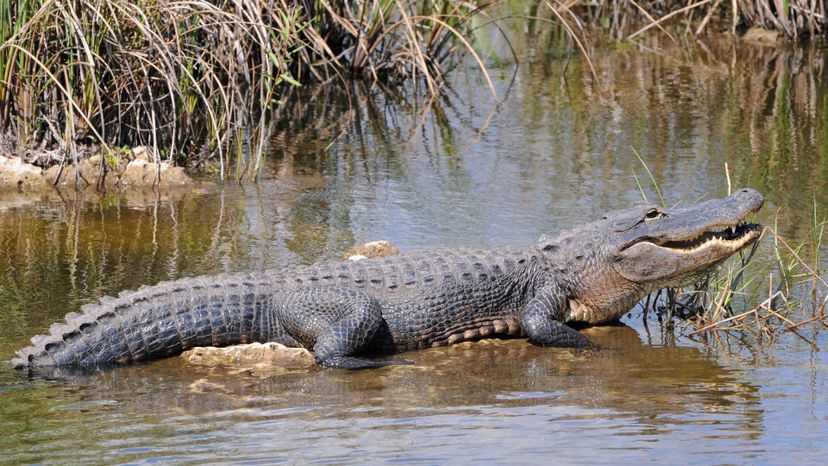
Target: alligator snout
752 198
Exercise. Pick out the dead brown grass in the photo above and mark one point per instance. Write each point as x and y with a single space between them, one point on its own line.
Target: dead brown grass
197 80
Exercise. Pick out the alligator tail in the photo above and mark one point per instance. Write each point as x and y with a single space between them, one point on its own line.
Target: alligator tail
156 321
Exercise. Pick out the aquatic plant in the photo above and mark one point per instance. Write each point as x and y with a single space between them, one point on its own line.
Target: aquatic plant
720 301
797 274
196 80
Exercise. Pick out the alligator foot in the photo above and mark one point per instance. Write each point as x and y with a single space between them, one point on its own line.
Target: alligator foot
544 330
563 336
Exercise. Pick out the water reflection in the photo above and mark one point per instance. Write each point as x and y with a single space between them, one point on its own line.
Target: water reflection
656 389
686 111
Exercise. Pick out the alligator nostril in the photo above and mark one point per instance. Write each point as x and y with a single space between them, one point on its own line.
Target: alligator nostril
752 196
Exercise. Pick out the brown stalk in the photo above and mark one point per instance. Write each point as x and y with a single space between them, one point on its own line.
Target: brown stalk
668 16
577 41
651 19
764 305
707 17
819 317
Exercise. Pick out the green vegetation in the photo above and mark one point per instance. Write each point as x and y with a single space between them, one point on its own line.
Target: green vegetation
201 77
708 307
797 268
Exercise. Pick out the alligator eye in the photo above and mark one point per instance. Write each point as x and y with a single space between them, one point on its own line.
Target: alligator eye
653 213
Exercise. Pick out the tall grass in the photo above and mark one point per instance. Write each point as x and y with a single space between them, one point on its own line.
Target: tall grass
796 295
717 302
198 79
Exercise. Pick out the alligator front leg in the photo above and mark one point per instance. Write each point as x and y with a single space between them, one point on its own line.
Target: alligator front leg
337 322
539 322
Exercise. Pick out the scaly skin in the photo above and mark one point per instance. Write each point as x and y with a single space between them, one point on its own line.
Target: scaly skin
347 312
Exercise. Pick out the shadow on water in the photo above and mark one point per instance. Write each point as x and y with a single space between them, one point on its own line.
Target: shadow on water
631 392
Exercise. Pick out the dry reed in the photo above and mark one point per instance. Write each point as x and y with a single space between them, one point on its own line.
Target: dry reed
708 307
196 79
796 19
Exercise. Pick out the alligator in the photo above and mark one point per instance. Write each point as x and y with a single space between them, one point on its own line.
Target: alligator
350 314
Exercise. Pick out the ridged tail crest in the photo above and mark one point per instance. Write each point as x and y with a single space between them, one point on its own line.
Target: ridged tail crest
155 321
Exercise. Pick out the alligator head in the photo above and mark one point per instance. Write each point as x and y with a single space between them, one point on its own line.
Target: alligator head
614 262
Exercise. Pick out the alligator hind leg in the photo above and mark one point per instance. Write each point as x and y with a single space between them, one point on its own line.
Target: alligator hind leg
337 322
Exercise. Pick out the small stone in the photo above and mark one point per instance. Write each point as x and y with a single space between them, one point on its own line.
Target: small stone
51 172
89 171
140 153
137 163
16 175
371 250
69 178
20 167
136 174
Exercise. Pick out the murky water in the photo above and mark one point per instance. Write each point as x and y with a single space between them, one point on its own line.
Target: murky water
350 165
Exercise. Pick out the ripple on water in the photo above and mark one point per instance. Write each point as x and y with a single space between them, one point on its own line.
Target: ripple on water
554 154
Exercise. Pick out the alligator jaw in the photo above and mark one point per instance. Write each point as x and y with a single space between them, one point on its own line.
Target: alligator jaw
675 247
733 238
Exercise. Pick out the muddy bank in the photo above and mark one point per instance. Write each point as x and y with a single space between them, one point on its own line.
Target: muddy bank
124 171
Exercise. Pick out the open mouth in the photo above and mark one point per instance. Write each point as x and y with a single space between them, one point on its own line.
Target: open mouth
733 237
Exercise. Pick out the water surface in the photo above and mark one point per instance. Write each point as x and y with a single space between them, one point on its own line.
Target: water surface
350 164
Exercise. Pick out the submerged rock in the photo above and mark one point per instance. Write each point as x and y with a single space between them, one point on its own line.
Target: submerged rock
264 356
250 356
